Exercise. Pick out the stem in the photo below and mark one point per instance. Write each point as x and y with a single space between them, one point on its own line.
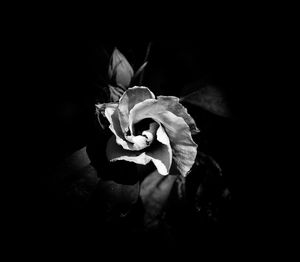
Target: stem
145 60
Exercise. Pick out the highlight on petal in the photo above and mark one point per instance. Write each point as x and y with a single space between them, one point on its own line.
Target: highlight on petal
133 142
109 110
183 147
130 98
115 152
163 138
158 153
143 134
161 157
138 142
171 103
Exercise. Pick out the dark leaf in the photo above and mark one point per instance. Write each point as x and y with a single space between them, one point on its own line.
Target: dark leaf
115 200
204 159
77 160
139 71
74 179
80 190
118 188
206 188
154 192
208 97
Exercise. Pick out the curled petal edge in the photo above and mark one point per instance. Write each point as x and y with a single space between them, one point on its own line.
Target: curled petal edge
161 156
128 100
183 147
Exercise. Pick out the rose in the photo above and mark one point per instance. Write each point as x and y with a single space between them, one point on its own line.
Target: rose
148 129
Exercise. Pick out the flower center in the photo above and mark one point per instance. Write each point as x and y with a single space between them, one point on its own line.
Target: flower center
147 126
143 133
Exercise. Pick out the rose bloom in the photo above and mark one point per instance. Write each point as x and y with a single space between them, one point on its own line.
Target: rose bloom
148 129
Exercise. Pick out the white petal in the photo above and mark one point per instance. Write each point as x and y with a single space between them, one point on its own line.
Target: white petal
161 158
172 104
139 142
163 138
128 100
112 117
183 147
158 153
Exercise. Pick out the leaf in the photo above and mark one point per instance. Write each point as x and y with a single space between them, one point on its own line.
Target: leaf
115 200
74 180
82 187
139 71
145 62
210 98
115 92
155 190
206 189
205 159
77 160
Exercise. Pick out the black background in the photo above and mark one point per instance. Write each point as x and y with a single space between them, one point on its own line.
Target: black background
67 58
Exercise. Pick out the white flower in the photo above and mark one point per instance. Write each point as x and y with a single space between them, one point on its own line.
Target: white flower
148 129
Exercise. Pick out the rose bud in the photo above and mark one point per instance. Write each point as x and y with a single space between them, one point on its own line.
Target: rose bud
120 71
